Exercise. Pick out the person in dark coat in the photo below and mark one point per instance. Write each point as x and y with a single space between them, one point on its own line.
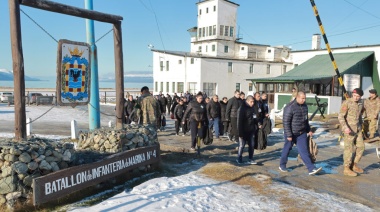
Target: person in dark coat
296 127
233 105
247 126
163 102
197 114
259 108
213 115
169 102
178 115
223 107
129 105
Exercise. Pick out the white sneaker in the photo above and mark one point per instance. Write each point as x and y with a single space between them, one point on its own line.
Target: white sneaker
315 171
378 152
252 162
282 170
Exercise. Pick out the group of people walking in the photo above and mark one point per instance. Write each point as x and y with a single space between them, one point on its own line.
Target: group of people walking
240 119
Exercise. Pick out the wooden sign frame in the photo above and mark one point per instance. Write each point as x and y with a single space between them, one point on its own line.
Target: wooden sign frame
64 182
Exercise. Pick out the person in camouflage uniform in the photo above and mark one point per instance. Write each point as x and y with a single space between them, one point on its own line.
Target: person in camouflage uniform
350 118
372 107
149 107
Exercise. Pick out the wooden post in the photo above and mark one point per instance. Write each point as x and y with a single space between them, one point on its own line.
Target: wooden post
119 75
18 70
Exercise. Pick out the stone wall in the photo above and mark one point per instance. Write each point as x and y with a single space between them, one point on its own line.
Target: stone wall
21 162
108 140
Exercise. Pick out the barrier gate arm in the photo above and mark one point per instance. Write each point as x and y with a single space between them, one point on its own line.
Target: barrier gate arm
345 94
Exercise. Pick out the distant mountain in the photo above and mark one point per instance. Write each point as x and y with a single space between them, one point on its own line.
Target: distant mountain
6 75
130 76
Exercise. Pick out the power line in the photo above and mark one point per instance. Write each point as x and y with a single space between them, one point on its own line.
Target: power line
362 9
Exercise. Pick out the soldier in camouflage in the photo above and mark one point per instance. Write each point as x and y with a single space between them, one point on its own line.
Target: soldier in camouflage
149 107
350 118
372 107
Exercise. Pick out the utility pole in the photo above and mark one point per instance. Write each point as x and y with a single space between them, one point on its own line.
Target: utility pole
94 106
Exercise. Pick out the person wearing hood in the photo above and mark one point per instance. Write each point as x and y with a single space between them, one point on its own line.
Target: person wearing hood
372 107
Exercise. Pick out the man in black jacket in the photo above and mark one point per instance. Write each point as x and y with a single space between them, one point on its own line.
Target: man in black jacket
296 128
129 105
213 114
169 102
247 126
223 107
196 112
231 115
178 115
259 108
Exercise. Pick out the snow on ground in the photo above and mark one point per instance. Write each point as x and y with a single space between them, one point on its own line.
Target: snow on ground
195 192
191 191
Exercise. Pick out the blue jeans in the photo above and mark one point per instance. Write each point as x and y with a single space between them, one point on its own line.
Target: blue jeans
251 143
215 123
302 146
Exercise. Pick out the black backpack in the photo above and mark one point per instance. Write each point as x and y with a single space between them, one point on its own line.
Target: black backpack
261 140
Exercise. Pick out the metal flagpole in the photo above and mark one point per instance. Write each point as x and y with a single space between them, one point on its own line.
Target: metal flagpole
93 107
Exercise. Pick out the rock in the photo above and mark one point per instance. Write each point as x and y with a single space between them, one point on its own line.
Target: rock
11 158
130 135
8 184
2 200
41 150
13 195
34 155
107 144
66 155
28 180
1 163
20 167
68 145
25 158
2 156
54 166
32 165
96 146
40 158
58 155
15 151
44 165
48 152
63 165
51 159
6 171
21 176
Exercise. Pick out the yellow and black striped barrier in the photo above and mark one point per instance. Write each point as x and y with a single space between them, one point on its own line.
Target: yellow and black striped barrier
345 94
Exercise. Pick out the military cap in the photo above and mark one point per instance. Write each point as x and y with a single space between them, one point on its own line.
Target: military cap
358 91
373 91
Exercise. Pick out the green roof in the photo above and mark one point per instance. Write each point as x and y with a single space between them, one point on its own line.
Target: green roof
319 67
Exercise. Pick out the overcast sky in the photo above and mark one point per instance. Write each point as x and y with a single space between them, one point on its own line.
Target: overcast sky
164 24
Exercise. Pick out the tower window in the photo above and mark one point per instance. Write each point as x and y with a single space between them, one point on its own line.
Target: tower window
226 31
214 8
207 10
200 12
213 47
225 49
221 30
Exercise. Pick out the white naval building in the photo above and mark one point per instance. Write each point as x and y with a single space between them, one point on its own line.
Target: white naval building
218 62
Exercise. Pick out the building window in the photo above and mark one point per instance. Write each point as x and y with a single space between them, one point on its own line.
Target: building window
251 68
192 61
268 69
229 67
214 30
231 31
179 61
225 49
269 50
250 87
167 65
200 12
214 8
200 32
179 87
206 48
209 88
204 32
199 48
237 86
192 87
206 9
226 31
284 69
213 47
210 30
221 30
155 86
161 86
161 65
242 48
167 86
173 87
